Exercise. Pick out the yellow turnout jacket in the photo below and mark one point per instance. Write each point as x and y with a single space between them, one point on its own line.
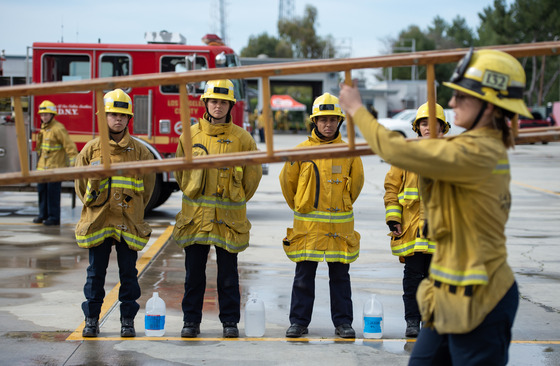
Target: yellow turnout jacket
321 194
114 206
403 205
214 200
54 147
465 190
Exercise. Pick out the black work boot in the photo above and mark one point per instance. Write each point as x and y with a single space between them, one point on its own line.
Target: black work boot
91 329
49 222
127 327
296 331
190 330
412 328
230 330
345 331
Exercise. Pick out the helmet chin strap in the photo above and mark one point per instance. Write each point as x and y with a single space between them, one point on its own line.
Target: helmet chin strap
479 115
323 137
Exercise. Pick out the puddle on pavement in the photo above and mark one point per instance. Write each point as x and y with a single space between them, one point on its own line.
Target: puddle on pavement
36 264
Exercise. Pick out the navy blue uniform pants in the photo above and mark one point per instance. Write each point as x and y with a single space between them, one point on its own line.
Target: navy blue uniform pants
49 200
303 293
487 344
416 268
229 299
94 290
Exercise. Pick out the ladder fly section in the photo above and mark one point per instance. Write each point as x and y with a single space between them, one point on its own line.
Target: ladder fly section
425 58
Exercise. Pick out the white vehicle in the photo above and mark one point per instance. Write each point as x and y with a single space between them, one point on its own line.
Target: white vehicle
402 122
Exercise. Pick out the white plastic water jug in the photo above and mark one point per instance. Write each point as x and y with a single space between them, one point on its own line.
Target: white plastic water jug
373 318
254 317
155 316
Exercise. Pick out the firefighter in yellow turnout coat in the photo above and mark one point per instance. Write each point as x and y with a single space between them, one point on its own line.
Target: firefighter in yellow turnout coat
321 194
214 210
404 215
113 215
469 302
55 149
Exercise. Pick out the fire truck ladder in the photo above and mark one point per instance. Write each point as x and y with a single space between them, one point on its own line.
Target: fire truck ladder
426 58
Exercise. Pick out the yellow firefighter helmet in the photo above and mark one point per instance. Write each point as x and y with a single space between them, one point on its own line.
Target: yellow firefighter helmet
117 101
493 76
422 112
219 89
47 107
326 105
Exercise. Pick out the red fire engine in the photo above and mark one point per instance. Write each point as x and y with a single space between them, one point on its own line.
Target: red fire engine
156 109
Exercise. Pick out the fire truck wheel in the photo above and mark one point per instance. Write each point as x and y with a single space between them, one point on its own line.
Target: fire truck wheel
154 200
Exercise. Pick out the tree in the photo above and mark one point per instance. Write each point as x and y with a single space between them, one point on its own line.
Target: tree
439 35
301 34
526 21
268 45
496 25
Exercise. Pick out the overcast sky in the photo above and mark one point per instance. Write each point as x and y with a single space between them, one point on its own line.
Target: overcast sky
364 25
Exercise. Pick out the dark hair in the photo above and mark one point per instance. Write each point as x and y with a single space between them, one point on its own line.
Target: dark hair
501 117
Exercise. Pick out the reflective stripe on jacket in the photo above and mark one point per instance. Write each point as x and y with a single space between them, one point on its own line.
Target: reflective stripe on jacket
54 147
465 190
403 205
321 194
214 200
114 206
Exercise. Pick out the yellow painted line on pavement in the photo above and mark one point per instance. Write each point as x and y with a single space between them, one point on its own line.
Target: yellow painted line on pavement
113 296
536 188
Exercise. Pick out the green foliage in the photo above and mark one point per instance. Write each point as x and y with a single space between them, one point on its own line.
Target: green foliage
268 45
525 21
301 34
298 38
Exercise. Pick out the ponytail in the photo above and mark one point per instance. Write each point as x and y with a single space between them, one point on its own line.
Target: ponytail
501 117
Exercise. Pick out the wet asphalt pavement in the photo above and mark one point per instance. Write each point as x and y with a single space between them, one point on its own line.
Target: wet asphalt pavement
42 273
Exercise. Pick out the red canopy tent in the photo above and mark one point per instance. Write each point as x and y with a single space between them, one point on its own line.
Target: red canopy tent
285 102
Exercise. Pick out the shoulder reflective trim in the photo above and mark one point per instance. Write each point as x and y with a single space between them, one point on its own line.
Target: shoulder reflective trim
212 239
502 167
458 278
48 147
90 240
319 256
211 201
128 182
393 211
320 216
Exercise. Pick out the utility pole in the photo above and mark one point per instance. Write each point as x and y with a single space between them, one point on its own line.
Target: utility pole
285 10
223 21
412 48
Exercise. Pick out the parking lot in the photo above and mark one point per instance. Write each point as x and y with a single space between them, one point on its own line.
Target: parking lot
42 273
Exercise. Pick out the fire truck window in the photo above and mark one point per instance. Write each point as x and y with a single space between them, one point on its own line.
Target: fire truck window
66 68
114 65
182 64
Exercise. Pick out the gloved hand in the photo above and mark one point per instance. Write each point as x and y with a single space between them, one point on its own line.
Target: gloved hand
395 227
